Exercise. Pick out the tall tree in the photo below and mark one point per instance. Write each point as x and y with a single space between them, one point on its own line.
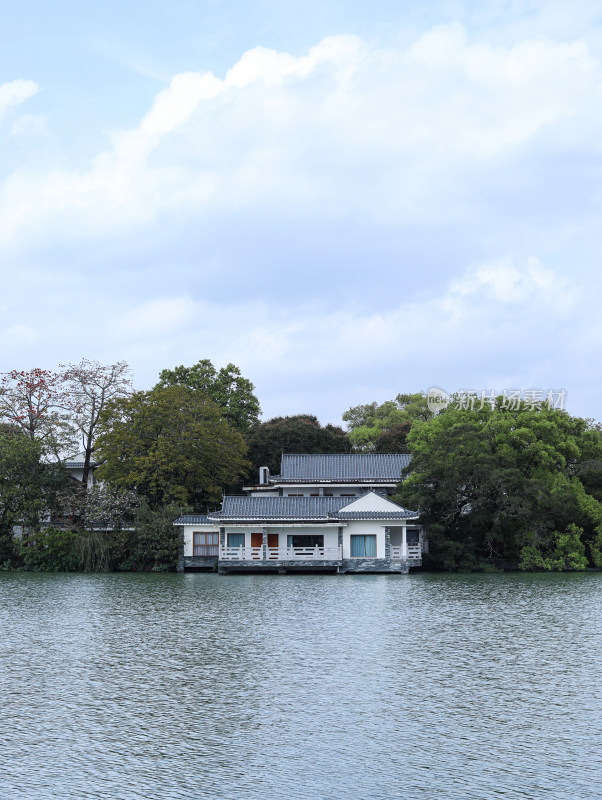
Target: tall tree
87 389
301 433
226 387
171 444
383 428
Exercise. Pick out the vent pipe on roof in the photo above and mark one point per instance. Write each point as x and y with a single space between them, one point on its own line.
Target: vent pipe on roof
264 476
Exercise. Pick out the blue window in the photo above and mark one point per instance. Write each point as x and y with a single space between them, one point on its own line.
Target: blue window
236 540
363 546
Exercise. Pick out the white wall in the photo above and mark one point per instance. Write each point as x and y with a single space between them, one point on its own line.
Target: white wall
365 528
190 529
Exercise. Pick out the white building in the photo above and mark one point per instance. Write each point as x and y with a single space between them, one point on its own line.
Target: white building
327 513
75 466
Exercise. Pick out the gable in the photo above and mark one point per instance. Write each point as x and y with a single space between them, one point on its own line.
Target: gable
371 502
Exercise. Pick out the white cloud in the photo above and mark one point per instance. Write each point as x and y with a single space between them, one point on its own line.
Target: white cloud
13 93
351 127
506 283
311 218
152 319
491 321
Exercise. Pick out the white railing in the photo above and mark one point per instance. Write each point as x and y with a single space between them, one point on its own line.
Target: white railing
241 553
281 553
305 553
412 551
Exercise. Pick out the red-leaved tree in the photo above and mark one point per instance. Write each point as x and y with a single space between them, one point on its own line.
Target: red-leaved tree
32 400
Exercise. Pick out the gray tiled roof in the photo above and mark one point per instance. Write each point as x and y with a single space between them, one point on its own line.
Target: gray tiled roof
345 467
403 513
77 462
320 509
193 519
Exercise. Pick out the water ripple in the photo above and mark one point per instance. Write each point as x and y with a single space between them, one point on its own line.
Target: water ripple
186 687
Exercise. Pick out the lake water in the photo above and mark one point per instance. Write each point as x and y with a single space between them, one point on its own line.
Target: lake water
167 687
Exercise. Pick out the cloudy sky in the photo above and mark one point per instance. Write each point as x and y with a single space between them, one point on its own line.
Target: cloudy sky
345 199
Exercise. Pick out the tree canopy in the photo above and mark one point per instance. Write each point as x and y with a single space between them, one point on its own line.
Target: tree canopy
171 444
491 482
226 387
383 428
301 433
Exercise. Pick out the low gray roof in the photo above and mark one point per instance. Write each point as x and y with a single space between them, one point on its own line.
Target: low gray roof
403 513
319 509
344 467
193 519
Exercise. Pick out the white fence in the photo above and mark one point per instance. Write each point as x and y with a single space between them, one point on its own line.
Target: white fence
412 551
241 553
281 553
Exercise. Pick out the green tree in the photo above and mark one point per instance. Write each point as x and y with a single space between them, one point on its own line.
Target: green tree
595 546
301 433
49 550
152 545
566 553
170 444
28 485
491 482
383 428
226 387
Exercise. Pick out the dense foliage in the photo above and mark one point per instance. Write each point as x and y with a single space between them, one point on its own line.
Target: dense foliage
171 444
506 487
28 486
148 543
384 428
233 393
301 433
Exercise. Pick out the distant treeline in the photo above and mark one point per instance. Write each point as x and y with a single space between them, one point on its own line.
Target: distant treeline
496 486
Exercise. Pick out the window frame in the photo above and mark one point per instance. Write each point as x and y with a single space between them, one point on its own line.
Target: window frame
364 536
211 547
243 544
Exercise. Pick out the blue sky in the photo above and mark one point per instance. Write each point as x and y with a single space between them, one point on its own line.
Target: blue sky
347 200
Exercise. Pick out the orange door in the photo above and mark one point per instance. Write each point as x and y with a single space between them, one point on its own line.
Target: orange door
257 541
273 542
